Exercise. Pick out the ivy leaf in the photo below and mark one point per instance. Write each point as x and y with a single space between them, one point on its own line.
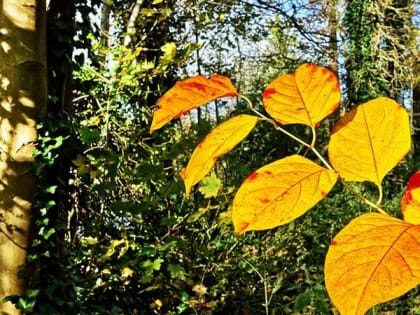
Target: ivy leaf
280 192
372 260
410 201
189 94
305 97
210 186
218 142
370 140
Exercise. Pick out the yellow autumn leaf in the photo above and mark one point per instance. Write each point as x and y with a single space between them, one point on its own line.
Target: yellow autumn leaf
305 97
410 201
218 142
279 192
372 260
189 94
370 140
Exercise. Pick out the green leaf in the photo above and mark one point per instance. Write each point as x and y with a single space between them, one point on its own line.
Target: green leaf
50 189
112 249
157 263
196 215
210 186
149 266
169 52
46 234
26 306
32 293
177 271
302 300
89 136
322 307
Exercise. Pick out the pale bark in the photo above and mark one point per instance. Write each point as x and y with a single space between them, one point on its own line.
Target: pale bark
332 15
23 100
131 26
105 13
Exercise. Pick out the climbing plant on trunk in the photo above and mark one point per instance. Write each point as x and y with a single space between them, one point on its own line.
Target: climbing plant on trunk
23 93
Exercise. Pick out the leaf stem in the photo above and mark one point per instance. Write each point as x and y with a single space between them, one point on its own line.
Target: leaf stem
279 128
313 137
380 195
275 125
320 157
265 285
364 199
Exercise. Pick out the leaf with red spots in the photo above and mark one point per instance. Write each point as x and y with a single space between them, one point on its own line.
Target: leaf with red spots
410 201
305 97
372 260
218 142
189 94
279 192
370 140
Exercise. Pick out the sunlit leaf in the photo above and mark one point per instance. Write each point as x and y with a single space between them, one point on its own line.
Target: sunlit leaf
370 140
189 94
279 192
210 186
127 272
372 260
305 97
410 201
169 53
218 142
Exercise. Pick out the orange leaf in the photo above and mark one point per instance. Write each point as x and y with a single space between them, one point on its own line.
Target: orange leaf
189 94
218 142
372 260
305 97
410 201
279 192
370 140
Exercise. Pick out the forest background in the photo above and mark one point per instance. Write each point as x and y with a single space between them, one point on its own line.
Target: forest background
112 230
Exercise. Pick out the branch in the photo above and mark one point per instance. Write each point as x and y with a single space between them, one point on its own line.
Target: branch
131 26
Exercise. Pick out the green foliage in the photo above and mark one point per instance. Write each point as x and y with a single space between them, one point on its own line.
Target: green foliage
114 233
365 79
210 186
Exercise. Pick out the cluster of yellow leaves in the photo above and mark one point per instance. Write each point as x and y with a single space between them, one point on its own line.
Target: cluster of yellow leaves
373 259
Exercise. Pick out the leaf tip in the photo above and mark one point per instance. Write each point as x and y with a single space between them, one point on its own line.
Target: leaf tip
183 175
242 228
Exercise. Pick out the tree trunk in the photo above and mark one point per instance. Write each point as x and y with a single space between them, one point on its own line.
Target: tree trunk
332 12
23 100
